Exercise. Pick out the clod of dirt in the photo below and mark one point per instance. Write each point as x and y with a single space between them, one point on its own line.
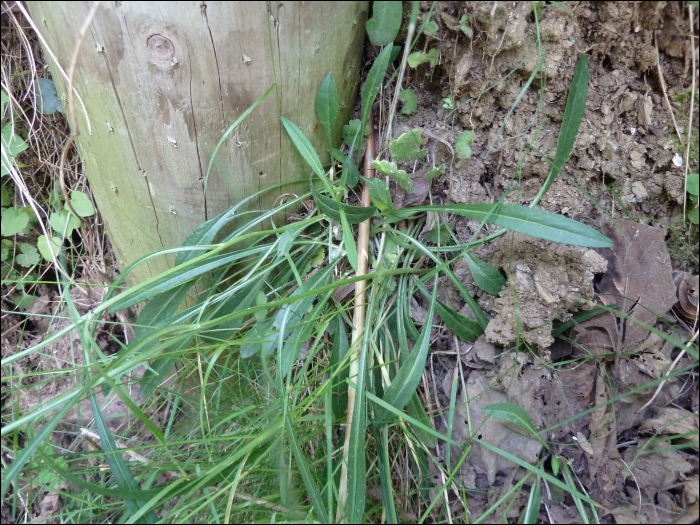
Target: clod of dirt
546 281
687 293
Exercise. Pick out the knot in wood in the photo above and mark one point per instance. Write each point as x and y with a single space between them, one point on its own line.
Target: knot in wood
161 48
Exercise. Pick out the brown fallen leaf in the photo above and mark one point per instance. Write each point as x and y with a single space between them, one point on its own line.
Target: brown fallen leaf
672 421
421 187
639 281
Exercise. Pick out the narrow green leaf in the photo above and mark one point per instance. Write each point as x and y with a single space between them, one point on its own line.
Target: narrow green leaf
120 470
181 276
532 510
374 81
327 106
306 475
573 113
287 239
571 121
522 219
404 385
415 409
461 326
385 473
514 414
535 470
486 276
384 25
204 234
379 193
349 240
230 129
354 214
340 348
303 146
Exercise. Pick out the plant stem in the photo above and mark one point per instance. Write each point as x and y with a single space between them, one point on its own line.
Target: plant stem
358 318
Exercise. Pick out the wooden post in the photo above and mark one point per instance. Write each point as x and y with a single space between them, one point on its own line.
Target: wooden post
162 81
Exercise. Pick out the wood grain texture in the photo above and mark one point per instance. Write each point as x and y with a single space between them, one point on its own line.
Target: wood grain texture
162 81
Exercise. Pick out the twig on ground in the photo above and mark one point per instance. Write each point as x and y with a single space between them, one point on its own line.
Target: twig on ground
690 114
663 90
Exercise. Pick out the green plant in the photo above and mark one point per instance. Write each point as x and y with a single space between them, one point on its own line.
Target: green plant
267 369
692 187
21 255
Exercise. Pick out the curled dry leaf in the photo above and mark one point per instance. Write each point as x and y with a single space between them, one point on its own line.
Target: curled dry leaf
639 281
687 293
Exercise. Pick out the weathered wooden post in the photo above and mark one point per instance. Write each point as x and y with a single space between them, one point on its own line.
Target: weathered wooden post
162 81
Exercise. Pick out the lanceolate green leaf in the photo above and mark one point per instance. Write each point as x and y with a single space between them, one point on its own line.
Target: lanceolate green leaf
571 121
486 276
522 219
404 385
379 193
303 146
461 326
573 114
354 214
515 414
374 81
384 25
327 106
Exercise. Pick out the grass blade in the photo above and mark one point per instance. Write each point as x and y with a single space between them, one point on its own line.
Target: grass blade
231 128
514 414
303 146
349 240
532 510
522 219
122 475
306 476
327 106
404 385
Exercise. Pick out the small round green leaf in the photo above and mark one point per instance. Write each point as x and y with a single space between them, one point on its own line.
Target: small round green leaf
13 221
43 245
82 204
